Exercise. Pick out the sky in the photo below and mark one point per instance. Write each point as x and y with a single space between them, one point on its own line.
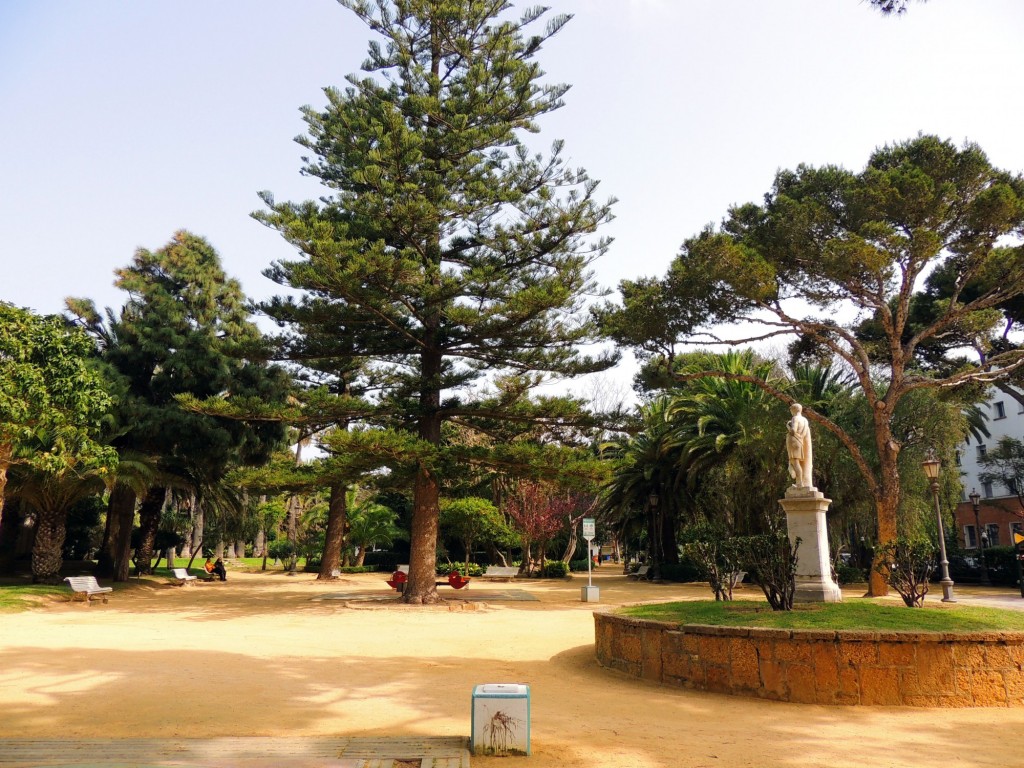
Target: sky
122 122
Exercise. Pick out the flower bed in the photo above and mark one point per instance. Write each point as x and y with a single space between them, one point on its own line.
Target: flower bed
923 669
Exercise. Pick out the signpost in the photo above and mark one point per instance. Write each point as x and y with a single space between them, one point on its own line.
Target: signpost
591 594
1018 539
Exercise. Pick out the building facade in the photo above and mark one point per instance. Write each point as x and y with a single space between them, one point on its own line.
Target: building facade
999 513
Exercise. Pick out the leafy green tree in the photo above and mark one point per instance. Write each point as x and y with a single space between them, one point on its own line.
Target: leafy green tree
447 251
52 406
184 330
828 243
49 394
473 521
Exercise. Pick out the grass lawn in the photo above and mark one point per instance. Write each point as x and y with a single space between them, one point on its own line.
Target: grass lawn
23 597
855 615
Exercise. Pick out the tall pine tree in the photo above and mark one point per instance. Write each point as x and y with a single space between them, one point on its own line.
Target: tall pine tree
446 253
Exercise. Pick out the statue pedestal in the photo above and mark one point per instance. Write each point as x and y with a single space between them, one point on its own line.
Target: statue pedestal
805 518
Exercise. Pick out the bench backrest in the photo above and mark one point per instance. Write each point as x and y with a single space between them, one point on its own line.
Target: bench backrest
501 570
180 573
643 569
83 583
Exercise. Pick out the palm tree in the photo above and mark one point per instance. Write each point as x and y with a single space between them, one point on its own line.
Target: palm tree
50 490
645 475
370 524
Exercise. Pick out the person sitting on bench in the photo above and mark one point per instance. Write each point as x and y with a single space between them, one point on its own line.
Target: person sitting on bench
216 568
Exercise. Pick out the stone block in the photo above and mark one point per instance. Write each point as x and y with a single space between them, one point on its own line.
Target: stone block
802 687
793 652
717 678
969 655
773 680
849 683
997 656
743 664
896 654
988 689
630 647
880 686
714 650
652 654
935 668
858 653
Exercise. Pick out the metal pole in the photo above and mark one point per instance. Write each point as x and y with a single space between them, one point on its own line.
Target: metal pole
946 582
590 581
975 502
1020 569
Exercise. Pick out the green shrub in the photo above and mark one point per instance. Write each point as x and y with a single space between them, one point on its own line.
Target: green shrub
444 569
281 549
907 564
554 569
344 569
577 566
850 574
685 570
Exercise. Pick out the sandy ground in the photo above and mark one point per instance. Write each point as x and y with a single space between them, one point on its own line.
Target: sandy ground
257 655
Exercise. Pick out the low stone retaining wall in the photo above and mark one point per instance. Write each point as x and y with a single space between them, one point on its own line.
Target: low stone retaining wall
915 669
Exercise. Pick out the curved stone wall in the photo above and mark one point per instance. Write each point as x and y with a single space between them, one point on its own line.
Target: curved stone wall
915 669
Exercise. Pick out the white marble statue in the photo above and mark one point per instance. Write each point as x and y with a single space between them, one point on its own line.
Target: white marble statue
798 446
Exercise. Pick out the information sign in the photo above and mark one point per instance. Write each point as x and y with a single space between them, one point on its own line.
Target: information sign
589 528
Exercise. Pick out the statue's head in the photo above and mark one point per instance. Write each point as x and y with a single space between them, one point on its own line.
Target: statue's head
795 408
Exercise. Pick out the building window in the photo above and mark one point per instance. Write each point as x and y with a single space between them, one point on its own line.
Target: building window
986 489
958 458
991 532
970 538
1016 528
1000 410
982 451
1011 485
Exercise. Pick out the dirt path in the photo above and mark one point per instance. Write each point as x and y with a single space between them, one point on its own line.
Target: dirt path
258 655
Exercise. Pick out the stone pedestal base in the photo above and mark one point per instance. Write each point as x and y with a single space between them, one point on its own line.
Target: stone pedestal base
590 594
805 517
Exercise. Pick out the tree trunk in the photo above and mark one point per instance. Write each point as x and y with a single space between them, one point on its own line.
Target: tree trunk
240 549
361 557
46 553
259 547
334 538
198 525
121 517
570 547
421 586
887 502
149 523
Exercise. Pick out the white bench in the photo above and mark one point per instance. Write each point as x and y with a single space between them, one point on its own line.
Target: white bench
735 578
86 586
641 573
506 572
183 576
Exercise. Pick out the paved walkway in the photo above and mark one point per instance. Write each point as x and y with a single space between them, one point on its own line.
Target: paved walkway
251 752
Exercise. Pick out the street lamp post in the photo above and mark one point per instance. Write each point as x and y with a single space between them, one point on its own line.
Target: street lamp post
931 469
975 498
